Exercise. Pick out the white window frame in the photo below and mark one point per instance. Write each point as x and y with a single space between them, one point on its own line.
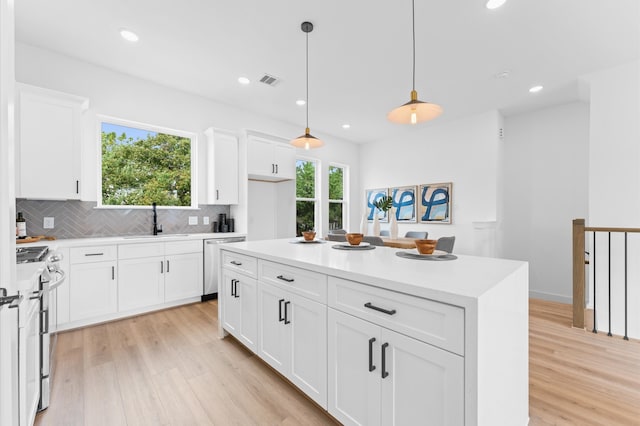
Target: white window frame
345 193
152 128
317 221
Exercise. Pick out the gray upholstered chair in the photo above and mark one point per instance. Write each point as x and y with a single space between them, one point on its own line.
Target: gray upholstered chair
418 235
336 237
384 233
446 244
337 231
374 241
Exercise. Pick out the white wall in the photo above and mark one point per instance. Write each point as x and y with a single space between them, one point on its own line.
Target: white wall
545 180
464 152
123 96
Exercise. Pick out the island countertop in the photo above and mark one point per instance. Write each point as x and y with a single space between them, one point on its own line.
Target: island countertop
455 281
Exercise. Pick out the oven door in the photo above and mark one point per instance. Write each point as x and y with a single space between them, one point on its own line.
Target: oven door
29 357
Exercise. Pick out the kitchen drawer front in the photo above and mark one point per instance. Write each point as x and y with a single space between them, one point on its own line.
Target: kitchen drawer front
136 251
183 247
312 285
92 254
238 262
432 322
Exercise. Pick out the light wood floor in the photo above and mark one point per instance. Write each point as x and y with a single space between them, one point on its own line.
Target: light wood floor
170 368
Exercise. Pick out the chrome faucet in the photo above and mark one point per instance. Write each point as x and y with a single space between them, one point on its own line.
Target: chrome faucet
156 228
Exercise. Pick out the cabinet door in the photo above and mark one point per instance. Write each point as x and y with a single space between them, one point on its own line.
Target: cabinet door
247 292
221 168
284 157
183 276
354 383
275 333
260 157
308 370
231 304
93 290
140 282
424 385
48 139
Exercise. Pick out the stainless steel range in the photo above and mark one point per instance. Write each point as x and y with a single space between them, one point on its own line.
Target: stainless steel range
31 254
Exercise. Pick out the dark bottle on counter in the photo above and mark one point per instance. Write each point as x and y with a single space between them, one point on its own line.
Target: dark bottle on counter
216 228
21 226
231 224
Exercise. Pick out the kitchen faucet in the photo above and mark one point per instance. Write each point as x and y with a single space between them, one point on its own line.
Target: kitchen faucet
156 228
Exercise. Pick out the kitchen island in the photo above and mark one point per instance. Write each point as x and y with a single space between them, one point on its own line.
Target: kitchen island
375 338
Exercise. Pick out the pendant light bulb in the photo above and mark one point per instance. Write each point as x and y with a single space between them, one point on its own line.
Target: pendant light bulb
307 141
414 111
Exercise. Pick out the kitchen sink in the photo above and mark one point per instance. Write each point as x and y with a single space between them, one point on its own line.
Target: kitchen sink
132 237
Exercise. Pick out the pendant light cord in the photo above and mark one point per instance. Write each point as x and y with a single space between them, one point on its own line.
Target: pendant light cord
413 26
307 57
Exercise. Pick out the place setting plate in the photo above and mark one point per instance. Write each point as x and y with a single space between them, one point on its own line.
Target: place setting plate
437 255
347 246
303 241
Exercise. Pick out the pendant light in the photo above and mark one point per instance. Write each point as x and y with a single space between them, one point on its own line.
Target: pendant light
415 110
307 140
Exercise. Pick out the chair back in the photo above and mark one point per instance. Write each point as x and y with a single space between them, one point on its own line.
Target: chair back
336 237
337 231
374 241
418 235
384 233
446 244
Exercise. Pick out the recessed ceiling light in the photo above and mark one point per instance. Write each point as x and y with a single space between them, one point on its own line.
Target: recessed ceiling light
494 4
129 35
243 80
301 102
346 126
535 89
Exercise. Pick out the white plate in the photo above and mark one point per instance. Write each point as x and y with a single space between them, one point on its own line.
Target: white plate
435 253
362 244
303 241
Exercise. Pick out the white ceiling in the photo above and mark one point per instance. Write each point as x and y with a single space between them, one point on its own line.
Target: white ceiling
359 52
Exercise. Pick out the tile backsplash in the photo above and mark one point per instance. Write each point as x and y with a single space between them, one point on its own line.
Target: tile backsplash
79 219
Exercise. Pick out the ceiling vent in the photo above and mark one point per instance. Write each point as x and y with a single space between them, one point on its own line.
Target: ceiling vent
270 80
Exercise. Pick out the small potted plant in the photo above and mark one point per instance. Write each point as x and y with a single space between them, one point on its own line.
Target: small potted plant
385 203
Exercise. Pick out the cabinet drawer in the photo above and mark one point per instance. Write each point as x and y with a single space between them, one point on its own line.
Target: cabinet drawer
432 322
245 264
136 251
305 283
92 254
183 247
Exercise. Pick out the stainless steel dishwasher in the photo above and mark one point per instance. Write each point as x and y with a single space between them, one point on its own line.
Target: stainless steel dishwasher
211 263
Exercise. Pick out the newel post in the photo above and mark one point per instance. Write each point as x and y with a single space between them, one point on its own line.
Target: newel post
578 273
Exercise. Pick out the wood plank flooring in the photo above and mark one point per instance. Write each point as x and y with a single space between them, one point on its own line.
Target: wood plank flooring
169 368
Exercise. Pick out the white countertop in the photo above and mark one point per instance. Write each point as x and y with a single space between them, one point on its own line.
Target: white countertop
457 281
126 239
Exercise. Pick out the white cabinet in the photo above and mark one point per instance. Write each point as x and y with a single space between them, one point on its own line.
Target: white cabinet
292 339
183 276
141 282
49 132
270 158
221 184
239 298
93 285
379 377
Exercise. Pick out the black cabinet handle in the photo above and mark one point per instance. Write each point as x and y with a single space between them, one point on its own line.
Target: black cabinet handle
233 281
167 266
236 286
286 320
233 262
385 373
280 318
161 267
276 169
94 254
113 273
273 168
283 278
77 187
371 366
217 194
375 308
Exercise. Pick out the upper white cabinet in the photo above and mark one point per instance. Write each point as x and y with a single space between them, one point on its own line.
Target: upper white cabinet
270 159
221 185
49 138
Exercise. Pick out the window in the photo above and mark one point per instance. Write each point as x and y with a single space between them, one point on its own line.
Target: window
143 164
306 196
337 204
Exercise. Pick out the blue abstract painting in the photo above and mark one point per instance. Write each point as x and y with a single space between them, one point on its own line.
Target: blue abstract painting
372 196
404 202
435 203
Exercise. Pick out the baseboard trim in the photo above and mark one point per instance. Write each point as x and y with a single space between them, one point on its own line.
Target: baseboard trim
550 297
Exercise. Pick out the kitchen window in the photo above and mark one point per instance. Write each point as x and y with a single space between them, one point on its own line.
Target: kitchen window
337 199
306 196
142 164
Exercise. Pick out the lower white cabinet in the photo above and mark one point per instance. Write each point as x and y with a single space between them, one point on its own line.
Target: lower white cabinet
183 276
292 339
380 377
93 290
239 298
141 282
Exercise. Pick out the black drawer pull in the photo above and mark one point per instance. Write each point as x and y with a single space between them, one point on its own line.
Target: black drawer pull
286 320
385 373
283 278
235 262
94 254
375 308
280 317
371 366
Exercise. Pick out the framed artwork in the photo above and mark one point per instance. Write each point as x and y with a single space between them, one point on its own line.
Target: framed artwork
434 205
404 202
372 196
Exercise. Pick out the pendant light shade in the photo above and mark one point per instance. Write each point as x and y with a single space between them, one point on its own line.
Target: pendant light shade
414 111
307 141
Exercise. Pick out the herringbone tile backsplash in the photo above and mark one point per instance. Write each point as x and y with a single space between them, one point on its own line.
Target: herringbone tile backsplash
80 219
